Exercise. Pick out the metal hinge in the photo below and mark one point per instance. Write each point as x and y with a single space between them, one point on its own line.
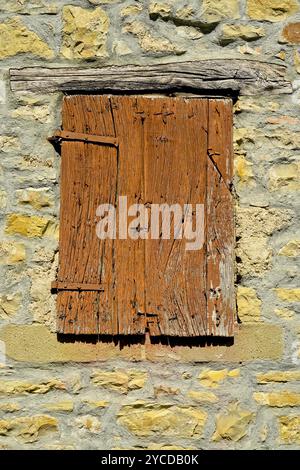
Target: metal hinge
60 136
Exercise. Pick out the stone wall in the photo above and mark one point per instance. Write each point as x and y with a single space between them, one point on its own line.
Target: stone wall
60 395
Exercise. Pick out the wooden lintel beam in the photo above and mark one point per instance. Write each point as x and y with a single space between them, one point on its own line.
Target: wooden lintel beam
246 77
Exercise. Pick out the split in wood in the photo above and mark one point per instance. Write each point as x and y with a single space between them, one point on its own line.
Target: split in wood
75 286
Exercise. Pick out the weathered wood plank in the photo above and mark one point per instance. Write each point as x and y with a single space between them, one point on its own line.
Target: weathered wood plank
220 137
88 178
175 148
240 75
220 221
128 254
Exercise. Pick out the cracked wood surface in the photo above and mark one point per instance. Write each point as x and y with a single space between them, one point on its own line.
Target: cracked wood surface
220 221
248 77
175 136
171 150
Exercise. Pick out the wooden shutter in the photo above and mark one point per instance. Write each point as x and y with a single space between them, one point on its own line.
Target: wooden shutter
153 150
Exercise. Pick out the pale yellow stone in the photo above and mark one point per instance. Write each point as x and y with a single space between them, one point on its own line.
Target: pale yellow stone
35 113
66 405
212 378
150 419
35 197
231 33
155 446
16 38
278 376
243 135
84 33
271 10
245 105
202 397
42 303
159 9
9 304
243 169
253 105
28 428
184 13
248 305
291 249
5 427
9 143
150 42
284 138
15 387
165 390
233 373
284 313
277 399
96 403
59 447
43 166
234 424
9 407
27 225
214 11
246 49
289 429
253 227
120 381
121 48
29 7
281 55
297 61
52 230
132 9
90 423
263 434
44 255
3 199
288 295
12 252
189 32
102 2
73 381
285 176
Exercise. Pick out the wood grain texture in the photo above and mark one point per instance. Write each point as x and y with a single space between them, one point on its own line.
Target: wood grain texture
129 253
220 221
175 149
58 286
88 178
171 150
220 137
240 75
